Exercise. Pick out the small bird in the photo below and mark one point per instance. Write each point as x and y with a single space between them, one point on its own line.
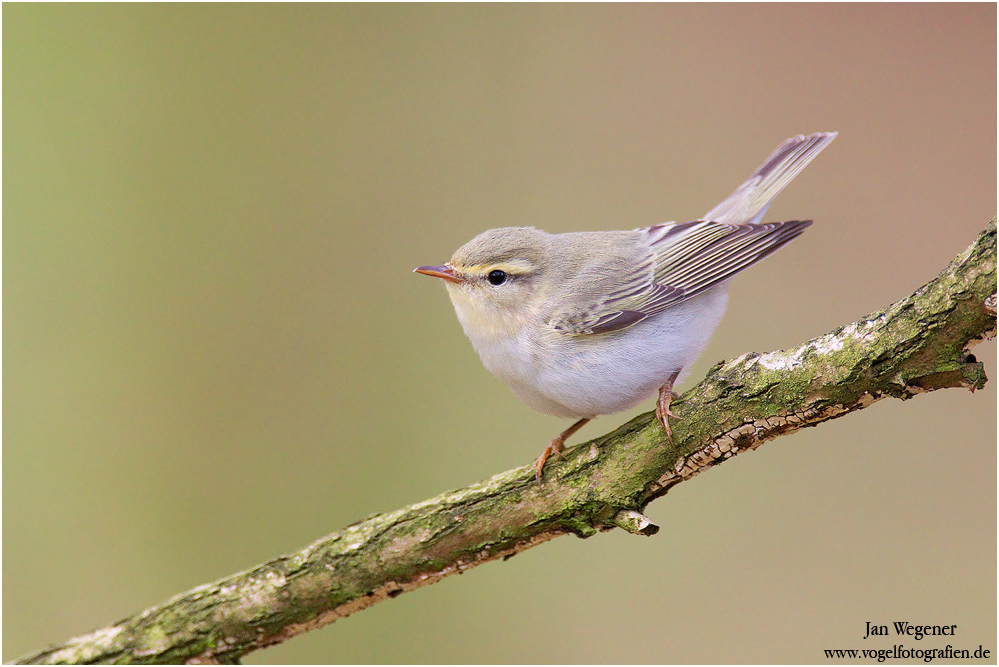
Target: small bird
590 323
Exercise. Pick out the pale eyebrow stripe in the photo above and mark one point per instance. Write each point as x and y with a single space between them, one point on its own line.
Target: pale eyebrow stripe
510 266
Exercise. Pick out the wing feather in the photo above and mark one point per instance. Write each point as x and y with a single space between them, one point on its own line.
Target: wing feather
657 267
701 255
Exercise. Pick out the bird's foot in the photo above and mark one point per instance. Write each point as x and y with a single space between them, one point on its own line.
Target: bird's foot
666 396
555 447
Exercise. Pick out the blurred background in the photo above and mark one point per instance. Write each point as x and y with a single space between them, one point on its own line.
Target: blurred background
216 352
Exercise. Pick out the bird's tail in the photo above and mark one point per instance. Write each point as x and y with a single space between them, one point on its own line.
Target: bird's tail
751 200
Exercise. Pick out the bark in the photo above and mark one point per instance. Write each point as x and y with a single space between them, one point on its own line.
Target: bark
916 345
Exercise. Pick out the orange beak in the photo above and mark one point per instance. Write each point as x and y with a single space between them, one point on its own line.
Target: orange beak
443 271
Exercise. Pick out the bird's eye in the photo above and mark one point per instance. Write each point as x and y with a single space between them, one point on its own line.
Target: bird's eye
496 277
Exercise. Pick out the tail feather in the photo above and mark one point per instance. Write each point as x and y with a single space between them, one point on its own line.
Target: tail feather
751 200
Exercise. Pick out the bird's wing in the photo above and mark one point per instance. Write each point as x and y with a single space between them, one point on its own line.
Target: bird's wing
674 262
607 285
694 256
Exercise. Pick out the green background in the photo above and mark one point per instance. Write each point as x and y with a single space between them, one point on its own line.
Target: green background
215 349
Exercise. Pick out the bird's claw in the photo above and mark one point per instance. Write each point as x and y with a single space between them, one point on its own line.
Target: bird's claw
555 447
666 396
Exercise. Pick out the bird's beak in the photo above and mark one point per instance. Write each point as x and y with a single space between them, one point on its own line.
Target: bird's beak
443 271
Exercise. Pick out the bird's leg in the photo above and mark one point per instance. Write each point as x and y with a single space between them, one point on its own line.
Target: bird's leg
666 395
556 446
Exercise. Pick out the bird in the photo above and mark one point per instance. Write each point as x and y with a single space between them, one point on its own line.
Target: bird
582 324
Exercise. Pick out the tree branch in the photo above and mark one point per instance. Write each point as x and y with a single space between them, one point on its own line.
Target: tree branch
916 345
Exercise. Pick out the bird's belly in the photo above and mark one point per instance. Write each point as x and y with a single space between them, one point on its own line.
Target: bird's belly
515 361
606 373
589 375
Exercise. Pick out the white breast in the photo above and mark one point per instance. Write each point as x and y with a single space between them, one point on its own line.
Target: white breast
589 375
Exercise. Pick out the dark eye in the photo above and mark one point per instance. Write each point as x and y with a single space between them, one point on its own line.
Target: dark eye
496 277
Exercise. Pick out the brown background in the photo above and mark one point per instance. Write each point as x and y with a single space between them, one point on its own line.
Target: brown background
216 352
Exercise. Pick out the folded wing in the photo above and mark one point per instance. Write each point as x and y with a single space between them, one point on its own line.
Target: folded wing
673 262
